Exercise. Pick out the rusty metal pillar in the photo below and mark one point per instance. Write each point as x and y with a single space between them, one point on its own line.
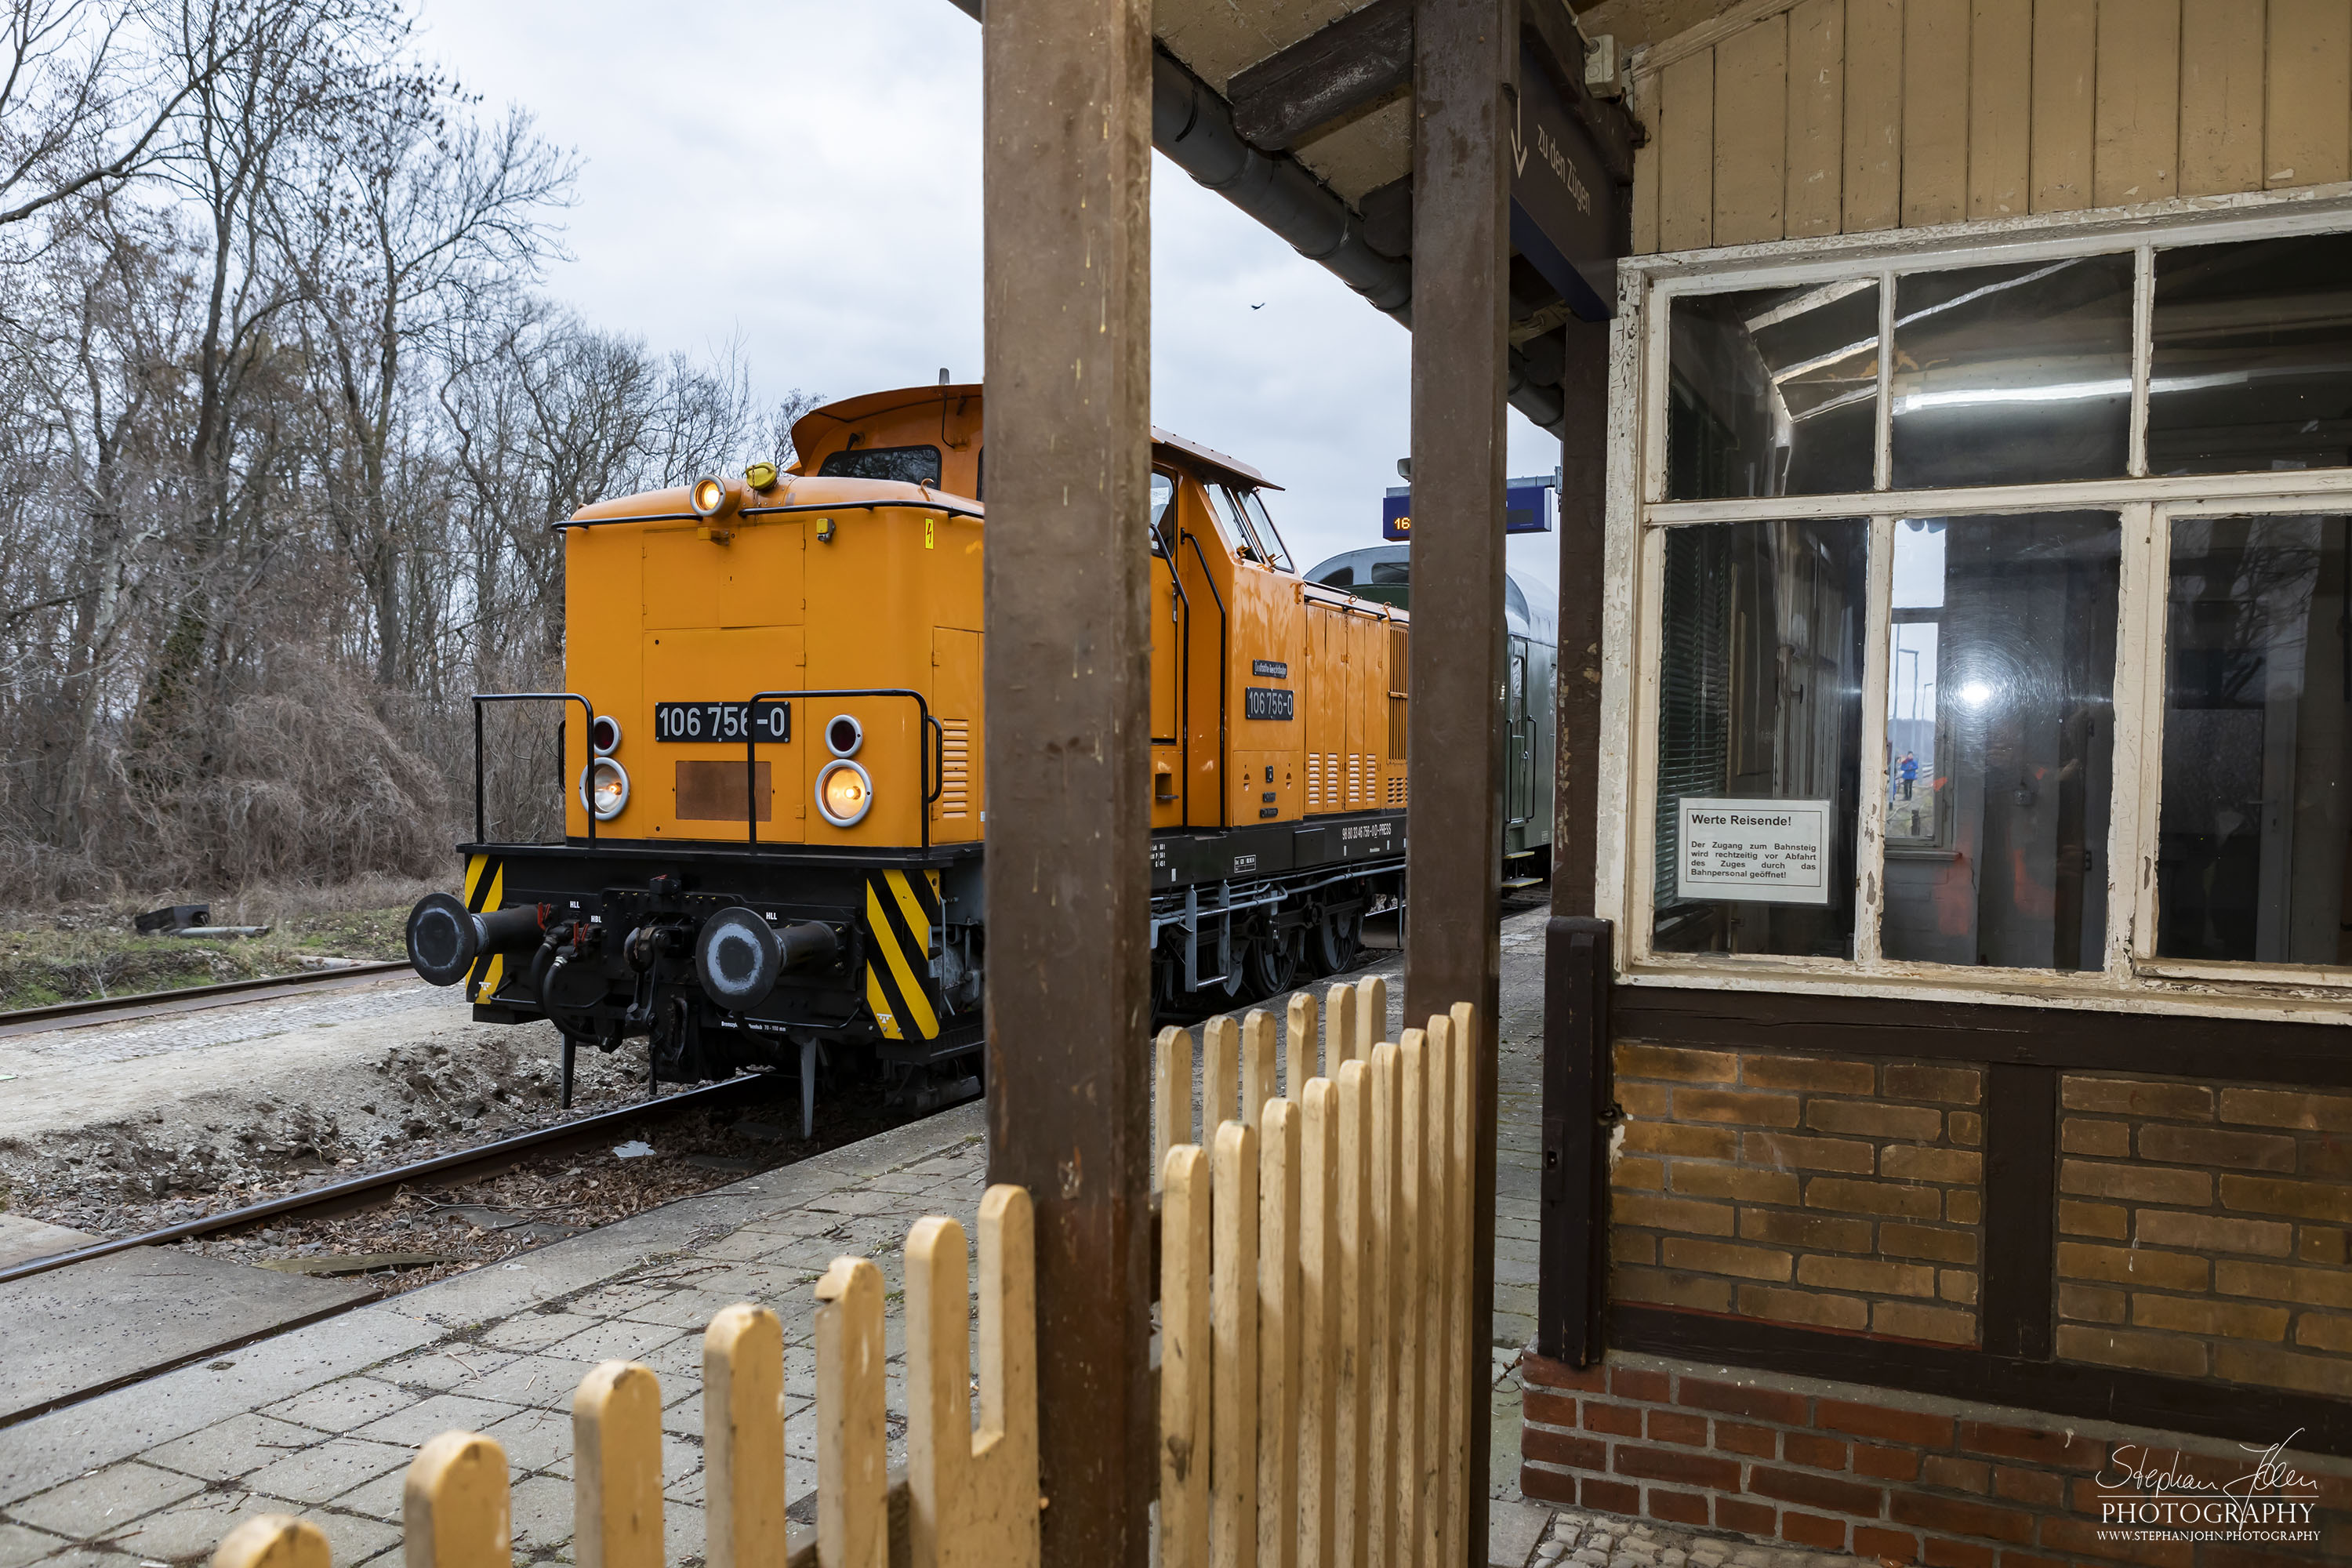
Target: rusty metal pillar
1066 165
1465 61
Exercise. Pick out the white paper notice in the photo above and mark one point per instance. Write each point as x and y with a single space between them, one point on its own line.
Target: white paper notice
1762 851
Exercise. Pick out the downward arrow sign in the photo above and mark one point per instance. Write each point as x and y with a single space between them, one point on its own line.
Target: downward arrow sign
1519 147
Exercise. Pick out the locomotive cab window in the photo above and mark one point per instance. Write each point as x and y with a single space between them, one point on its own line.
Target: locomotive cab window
1163 501
907 464
1994 616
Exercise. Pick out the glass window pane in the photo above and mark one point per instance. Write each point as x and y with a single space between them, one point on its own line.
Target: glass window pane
1277 554
2254 836
1163 496
2014 374
2000 739
1774 392
1759 700
2252 356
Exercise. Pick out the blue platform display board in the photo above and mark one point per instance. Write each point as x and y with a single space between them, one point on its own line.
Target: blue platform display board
1527 508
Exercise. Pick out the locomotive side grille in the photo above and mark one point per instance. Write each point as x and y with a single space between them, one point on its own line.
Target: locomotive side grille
1396 793
1399 689
955 778
1314 780
1354 778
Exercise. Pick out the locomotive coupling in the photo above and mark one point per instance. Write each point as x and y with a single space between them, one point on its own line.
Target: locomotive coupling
446 938
739 955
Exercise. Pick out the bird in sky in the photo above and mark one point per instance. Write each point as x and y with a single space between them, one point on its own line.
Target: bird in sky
1259 306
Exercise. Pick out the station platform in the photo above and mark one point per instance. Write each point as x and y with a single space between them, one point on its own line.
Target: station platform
323 1420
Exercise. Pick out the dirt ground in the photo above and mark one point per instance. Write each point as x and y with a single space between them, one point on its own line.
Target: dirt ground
120 1128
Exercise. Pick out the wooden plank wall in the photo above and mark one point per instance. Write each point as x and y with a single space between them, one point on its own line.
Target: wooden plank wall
1791 119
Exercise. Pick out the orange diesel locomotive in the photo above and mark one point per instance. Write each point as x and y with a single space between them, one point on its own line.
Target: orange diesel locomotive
776 807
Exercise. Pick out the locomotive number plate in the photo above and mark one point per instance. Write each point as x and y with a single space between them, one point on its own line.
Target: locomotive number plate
1265 702
721 721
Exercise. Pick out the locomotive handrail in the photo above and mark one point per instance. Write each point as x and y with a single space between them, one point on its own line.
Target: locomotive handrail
949 509
1225 683
751 749
481 828
939 763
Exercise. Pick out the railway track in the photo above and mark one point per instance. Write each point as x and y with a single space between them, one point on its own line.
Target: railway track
463 1164
191 998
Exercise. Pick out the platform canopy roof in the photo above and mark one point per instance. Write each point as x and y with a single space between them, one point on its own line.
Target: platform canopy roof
1300 112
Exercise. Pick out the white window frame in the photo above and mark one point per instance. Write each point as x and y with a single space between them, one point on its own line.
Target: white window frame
1639 516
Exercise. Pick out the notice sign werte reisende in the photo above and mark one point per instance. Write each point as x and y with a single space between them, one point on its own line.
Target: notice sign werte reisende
1762 851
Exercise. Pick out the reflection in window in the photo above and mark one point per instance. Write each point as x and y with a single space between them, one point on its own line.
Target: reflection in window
2014 374
907 464
2251 365
2000 739
1277 554
1774 392
1760 700
1163 496
2254 839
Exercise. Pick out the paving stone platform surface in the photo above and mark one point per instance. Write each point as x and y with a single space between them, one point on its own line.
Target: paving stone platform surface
323 1420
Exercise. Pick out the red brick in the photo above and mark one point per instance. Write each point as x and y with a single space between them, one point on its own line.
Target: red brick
2055 1449
2014 1559
1917 1427
2081 1537
1739 1514
1666 1464
1679 1427
1611 1497
1953 1516
1885 1464
1559 1374
1759 1404
1546 1408
1816 1491
1635 1382
1621 1420
2043 1489
1885 1545
1943 1553
1812 1529
1550 1486
1733 1438
1960 1475
1558 1449
1808 1448
1676 1508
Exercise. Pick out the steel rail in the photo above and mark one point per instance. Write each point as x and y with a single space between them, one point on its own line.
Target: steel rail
336 1194
187 999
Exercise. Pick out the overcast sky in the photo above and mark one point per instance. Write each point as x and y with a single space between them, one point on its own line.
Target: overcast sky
805 175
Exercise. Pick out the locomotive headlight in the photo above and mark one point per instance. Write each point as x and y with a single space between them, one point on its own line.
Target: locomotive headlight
843 793
603 789
713 495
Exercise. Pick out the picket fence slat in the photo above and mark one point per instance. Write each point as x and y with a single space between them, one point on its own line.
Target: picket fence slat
616 1487
275 1541
1319 1377
1341 1207
1184 1358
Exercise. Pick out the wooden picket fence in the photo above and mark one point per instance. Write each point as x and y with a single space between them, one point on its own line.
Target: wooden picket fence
1317 1372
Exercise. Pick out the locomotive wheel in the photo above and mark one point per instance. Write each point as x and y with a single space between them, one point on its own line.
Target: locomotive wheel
1273 965
1336 942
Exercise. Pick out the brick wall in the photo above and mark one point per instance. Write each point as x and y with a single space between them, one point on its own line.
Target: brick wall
2202 1231
1832 1193
1897 1477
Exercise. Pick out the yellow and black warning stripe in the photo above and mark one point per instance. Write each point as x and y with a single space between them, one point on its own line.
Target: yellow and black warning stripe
901 910
486 880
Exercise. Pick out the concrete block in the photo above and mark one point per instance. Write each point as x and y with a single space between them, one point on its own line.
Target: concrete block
541 1513
20 1545
93 1508
426 1419
22 1239
343 1405
1514 1530
72 1331
226 1449
620 1340
329 1470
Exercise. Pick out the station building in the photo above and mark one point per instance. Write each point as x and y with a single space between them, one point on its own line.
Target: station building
1949 1123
